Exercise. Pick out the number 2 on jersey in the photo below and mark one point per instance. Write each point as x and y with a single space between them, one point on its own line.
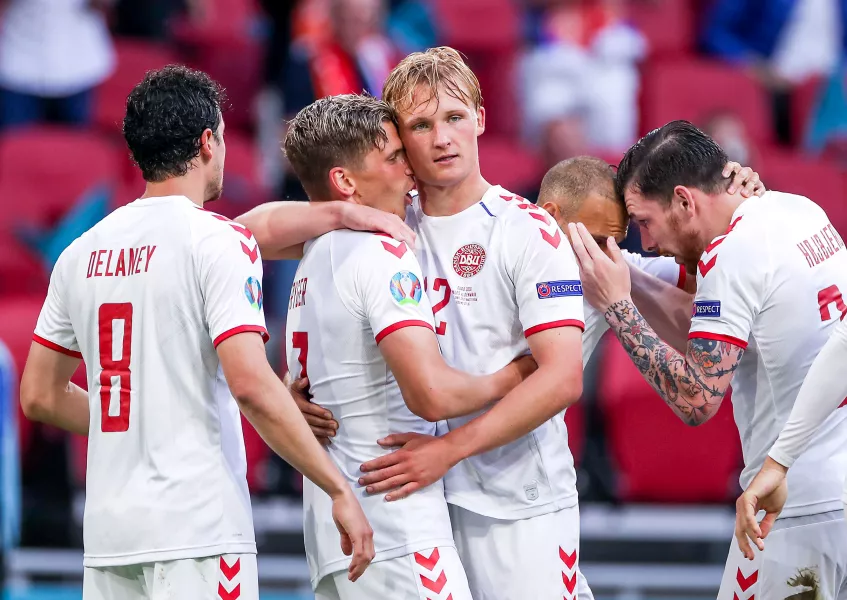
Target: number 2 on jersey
829 296
300 340
107 318
441 328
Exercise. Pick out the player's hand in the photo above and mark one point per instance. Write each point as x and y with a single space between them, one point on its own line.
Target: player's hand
768 491
357 537
319 419
605 280
744 180
421 461
513 374
365 218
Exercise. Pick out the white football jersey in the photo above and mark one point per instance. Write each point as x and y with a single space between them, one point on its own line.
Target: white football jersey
772 284
144 297
350 291
661 267
496 273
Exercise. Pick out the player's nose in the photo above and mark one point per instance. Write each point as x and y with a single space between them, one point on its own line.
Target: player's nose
647 242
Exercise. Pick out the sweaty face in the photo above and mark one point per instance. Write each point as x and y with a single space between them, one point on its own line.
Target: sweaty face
665 229
603 217
215 184
385 178
439 133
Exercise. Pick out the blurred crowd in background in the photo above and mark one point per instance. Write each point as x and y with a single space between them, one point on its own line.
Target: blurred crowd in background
560 78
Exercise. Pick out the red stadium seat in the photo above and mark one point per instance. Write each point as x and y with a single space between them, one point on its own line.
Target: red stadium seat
668 25
659 458
575 421
693 89
795 173
134 59
478 25
505 162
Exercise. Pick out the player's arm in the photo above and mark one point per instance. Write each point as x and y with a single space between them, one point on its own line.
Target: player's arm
822 392
435 391
556 385
693 384
666 307
47 394
281 228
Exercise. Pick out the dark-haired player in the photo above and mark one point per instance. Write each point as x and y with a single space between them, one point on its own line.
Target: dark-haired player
163 301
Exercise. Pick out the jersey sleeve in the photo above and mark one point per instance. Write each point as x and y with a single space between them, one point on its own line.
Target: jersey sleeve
660 267
823 390
389 287
544 270
729 293
231 284
54 329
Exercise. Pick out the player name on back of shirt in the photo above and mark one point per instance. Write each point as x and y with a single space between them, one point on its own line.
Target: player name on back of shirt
122 262
821 246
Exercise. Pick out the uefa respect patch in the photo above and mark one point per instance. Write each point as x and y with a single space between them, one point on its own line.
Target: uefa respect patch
558 289
707 309
406 288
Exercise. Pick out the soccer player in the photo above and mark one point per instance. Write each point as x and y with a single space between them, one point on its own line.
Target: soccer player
361 328
502 280
163 301
770 271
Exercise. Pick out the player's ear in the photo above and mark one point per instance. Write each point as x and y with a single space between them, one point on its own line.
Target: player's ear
683 197
206 144
480 121
552 209
341 183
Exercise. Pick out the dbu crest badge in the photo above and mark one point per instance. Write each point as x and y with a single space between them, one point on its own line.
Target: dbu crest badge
469 260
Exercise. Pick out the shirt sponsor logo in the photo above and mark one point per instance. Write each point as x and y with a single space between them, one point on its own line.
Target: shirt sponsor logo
707 309
406 288
253 292
558 289
469 260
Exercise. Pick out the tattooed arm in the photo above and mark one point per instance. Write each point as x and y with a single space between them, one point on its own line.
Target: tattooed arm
693 385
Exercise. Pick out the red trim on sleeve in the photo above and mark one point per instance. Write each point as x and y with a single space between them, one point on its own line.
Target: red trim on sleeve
680 283
554 325
242 329
48 344
718 337
401 325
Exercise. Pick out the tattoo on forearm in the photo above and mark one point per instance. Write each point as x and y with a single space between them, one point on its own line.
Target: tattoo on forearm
692 385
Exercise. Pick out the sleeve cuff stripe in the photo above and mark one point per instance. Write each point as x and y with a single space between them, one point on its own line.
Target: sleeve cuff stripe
554 325
48 344
401 325
719 337
242 329
680 282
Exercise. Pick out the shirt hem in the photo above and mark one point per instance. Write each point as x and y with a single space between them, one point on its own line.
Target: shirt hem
806 510
149 556
389 554
535 510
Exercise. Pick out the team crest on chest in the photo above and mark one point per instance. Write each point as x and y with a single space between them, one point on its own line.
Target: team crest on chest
469 260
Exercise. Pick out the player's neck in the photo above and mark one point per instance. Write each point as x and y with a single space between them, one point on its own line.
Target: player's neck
724 205
177 186
443 201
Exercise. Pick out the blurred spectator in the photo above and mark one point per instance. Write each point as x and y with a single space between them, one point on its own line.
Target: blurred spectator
151 19
729 131
53 53
782 42
349 52
579 85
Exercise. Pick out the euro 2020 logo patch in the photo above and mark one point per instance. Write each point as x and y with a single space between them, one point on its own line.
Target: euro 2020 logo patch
253 291
406 288
469 260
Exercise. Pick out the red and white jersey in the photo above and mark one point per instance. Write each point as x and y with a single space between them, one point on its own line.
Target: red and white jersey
772 284
144 297
496 273
661 267
350 291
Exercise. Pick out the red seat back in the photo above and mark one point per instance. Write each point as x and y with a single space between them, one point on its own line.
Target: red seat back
660 459
668 26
